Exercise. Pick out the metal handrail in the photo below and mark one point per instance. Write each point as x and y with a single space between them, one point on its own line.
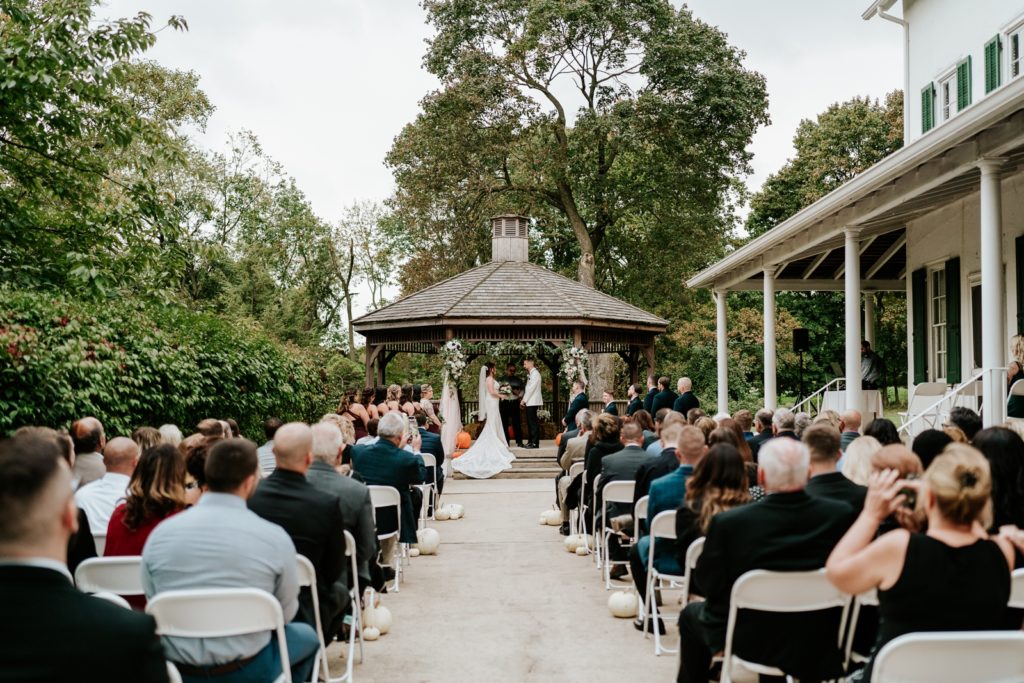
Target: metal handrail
819 394
934 408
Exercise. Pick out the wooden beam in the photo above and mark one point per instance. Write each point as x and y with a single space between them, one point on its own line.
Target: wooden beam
809 270
886 257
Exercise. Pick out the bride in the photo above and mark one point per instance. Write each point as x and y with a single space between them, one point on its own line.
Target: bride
489 454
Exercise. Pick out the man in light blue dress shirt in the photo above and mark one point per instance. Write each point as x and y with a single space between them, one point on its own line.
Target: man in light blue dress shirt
220 543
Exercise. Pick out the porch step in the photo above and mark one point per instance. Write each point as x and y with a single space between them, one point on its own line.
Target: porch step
530 463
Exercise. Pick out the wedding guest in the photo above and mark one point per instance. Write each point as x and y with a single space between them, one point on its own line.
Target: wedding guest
604 440
427 405
609 403
635 402
883 430
897 457
195 449
575 451
784 424
857 460
741 443
431 443
146 438
87 435
579 402
928 444
665 462
233 431
1004 450
694 414
849 427
686 400
50 630
371 434
220 543
665 398
706 425
370 405
266 451
763 420
966 419
655 445
947 579
155 492
786 531
213 427
1014 404
170 434
652 391
823 441
643 418
801 421
99 498
745 419
956 434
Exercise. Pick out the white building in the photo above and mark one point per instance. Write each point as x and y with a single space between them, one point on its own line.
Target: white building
941 218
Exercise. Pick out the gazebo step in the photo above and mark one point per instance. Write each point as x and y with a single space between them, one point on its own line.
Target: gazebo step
521 473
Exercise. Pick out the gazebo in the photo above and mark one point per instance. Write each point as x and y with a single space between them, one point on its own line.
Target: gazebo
510 299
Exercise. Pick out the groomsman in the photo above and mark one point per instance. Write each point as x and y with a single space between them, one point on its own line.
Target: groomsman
579 402
609 403
652 391
532 401
635 403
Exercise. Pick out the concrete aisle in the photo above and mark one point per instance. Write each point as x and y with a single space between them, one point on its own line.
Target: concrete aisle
503 601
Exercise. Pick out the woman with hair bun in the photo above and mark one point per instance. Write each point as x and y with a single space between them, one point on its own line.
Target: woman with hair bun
952 578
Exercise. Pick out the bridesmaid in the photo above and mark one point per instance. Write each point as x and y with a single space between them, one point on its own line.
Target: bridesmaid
368 403
350 409
394 395
427 405
408 407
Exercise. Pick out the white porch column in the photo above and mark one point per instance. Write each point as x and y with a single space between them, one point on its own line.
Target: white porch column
770 393
993 329
851 275
723 352
869 318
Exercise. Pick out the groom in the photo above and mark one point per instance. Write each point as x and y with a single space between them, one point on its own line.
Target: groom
533 400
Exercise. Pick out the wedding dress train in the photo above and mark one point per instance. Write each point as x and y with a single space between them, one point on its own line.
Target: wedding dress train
489 455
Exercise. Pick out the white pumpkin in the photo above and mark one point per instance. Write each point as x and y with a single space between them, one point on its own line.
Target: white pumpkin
543 519
622 604
573 541
442 514
378 617
582 550
414 552
552 517
456 511
427 541
371 633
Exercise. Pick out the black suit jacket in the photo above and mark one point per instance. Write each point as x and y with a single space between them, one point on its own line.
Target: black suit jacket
312 519
836 486
649 400
758 439
592 463
663 399
51 631
658 466
783 532
685 402
611 409
579 403
634 405
432 444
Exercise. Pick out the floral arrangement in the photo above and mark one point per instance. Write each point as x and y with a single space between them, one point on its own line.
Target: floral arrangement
574 363
505 390
544 415
454 357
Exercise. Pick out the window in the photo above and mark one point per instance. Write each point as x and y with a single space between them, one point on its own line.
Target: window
1015 41
937 322
947 88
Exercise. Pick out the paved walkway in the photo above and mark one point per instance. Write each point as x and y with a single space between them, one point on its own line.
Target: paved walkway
503 601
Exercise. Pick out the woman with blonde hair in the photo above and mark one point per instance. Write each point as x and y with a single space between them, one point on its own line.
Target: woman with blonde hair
829 416
952 578
857 459
391 401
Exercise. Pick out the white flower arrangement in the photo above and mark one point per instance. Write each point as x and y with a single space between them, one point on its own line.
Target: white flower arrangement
574 363
544 415
454 357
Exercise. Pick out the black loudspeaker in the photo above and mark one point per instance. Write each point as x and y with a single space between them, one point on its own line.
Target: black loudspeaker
801 340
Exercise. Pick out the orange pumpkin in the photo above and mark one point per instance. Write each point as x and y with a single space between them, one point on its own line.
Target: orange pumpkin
462 440
558 439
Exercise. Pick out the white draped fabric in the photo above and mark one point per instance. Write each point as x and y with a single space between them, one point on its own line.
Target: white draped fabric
452 424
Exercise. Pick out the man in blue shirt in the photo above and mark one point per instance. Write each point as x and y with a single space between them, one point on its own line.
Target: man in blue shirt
666 493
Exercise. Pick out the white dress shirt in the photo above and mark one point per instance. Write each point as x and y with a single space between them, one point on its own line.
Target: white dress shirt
99 499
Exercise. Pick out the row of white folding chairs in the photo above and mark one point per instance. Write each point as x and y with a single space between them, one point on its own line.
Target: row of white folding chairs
208 613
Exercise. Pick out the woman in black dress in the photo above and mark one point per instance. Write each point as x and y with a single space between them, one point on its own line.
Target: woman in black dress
952 578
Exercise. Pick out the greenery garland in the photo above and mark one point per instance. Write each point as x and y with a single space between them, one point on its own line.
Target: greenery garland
454 354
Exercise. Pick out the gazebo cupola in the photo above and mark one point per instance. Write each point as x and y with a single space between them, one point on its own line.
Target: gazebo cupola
510 238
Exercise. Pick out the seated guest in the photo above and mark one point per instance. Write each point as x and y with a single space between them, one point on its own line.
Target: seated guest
948 579
896 457
1004 450
146 438
849 427
686 400
353 497
956 434
266 451
575 450
823 443
646 422
929 444
609 403
579 402
99 498
371 433
170 434
666 493
706 425
622 466
883 430
220 543
966 419
665 462
1014 404
312 519
89 440
195 449
787 531
665 398
745 419
784 424
655 444
431 443
604 440
635 402
50 630
763 425
156 491
386 463
741 444
832 418
801 421
213 427
857 460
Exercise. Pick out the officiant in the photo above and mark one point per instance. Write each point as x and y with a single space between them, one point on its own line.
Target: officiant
509 407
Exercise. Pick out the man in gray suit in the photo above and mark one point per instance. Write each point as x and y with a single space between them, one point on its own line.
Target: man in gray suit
353 497
575 451
87 435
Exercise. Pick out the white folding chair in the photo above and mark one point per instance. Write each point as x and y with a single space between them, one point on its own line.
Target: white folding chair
385 497
662 526
693 553
639 515
1017 589
614 492
576 514
100 541
1016 390
923 398
172 673
767 591
593 522
119 575
429 491
952 657
221 613
112 597
866 599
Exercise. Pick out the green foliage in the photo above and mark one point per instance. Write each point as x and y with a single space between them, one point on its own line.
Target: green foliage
130 365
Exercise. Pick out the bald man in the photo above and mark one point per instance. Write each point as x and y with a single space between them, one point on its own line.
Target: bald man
686 401
99 498
87 435
311 517
849 425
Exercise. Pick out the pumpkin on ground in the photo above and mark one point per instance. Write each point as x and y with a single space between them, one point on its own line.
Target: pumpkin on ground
462 440
427 541
442 513
378 617
572 542
622 604
456 511
371 633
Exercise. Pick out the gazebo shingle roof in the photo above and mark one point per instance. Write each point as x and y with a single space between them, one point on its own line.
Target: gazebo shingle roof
509 290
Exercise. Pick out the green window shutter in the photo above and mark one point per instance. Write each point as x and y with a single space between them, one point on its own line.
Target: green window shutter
927 108
953 374
993 64
1019 249
919 292
963 84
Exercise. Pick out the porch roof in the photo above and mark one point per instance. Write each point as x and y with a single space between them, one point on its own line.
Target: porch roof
806 250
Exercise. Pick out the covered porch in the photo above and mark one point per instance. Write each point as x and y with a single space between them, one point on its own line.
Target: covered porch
863 237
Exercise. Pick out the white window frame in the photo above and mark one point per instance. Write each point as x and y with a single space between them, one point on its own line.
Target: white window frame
945 87
937 330
1015 29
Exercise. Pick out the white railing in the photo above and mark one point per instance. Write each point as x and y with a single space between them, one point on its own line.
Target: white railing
935 409
815 399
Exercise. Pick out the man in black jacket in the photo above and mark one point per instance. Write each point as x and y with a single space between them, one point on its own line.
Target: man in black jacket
579 402
763 429
652 391
823 442
50 631
786 531
431 443
686 400
635 402
665 462
311 517
665 398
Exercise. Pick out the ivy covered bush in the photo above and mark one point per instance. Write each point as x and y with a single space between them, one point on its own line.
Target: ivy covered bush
131 364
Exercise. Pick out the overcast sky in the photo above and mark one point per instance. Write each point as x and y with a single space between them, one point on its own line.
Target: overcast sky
327 84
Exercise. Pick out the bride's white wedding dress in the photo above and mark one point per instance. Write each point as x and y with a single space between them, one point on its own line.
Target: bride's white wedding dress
489 454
